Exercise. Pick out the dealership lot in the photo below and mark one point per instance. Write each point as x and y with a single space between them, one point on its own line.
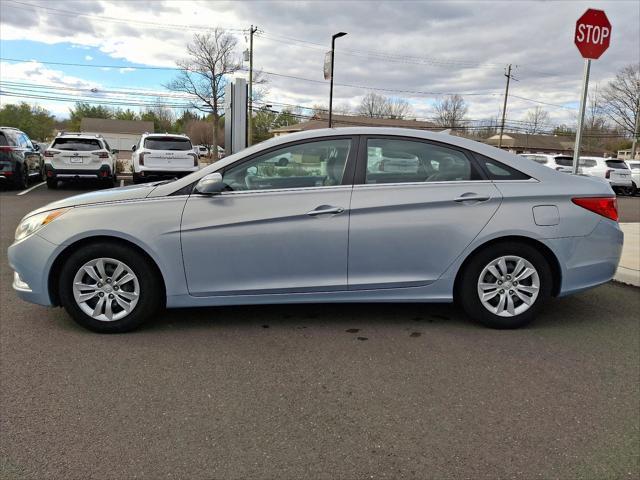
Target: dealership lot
325 391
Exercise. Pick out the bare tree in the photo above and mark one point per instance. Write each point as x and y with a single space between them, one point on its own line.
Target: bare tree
374 105
378 106
621 98
535 120
203 74
451 111
200 132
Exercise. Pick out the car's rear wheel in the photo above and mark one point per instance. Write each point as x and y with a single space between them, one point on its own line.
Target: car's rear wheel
109 288
137 178
21 177
52 183
505 285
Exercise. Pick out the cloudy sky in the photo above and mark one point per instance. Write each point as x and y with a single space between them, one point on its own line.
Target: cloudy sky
125 50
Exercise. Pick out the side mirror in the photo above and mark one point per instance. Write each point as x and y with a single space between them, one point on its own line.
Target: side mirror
114 151
36 147
133 149
210 184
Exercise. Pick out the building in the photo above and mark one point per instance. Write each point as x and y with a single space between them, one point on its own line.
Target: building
119 134
322 121
626 154
525 143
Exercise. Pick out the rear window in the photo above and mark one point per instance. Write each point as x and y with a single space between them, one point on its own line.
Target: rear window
3 139
616 164
634 166
565 161
167 143
77 144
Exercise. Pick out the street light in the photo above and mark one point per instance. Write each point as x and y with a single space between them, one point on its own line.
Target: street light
333 49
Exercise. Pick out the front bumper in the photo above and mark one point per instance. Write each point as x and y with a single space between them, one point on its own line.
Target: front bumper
31 260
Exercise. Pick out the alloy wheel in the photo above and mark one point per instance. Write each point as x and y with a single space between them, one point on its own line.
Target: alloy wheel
508 286
106 289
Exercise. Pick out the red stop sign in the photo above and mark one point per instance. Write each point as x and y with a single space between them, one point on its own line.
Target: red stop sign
593 33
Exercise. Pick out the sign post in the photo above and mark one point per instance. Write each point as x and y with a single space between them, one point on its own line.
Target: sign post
592 37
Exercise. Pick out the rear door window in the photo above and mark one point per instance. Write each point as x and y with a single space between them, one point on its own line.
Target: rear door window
616 164
4 141
77 144
167 143
499 171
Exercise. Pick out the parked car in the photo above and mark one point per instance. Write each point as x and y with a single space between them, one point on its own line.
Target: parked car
202 151
634 166
80 156
496 234
20 159
613 170
160 155
561 163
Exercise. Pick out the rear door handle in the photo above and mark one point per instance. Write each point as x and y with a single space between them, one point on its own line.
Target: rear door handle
471 197
325 210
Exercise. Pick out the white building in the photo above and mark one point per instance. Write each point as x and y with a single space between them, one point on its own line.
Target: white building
119 134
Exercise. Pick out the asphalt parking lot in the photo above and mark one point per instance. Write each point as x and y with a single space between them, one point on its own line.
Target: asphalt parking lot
319 391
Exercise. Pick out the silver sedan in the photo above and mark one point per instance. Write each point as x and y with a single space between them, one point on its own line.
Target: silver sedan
497 233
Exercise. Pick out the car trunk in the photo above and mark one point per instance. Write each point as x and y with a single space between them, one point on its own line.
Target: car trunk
169 153
618 171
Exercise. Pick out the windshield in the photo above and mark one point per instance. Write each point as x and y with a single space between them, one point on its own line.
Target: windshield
77 144
167 143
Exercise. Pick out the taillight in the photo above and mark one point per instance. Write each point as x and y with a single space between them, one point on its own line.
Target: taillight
608 174
195 158
605 206
141 158
48 153
103 155
6 149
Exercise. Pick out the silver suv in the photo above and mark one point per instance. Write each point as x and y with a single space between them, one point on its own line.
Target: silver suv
75 156
163 155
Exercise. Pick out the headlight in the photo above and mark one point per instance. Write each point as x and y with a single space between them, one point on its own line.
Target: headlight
30 225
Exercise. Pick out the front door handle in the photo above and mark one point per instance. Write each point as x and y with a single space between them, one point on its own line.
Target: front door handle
471 197
325 210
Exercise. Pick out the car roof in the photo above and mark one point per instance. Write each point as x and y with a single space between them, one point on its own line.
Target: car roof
80 135
165 135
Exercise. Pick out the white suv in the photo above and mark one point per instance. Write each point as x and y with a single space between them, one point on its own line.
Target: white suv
613 170
634 165
74 156
561 163
163 155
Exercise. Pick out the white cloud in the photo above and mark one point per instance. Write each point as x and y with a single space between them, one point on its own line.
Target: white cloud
88 58
127 69
424 45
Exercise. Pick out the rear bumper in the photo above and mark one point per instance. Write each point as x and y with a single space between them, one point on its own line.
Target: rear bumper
620 183
164 172
77 173
590 260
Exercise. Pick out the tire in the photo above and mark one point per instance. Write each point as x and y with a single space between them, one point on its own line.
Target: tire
475 273
146 283
21 180
137 178
109 182
52 183
43 174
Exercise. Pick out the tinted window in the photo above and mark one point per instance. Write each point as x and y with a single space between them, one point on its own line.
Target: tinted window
408 161
564 161
585 162
77 144
499 171
634 166
3 139
312 164
616 164
167 143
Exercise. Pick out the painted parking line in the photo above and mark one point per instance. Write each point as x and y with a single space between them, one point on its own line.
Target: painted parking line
29 189
122 182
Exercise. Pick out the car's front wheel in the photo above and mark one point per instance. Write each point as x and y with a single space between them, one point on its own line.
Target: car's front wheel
505 285
109 288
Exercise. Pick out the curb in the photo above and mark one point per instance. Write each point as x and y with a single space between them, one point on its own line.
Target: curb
628 276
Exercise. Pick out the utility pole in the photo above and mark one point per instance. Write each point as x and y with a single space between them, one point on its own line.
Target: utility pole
333 54
504 107
252 30
636 132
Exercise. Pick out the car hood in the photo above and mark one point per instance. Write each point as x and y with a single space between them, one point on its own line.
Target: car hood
131 192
